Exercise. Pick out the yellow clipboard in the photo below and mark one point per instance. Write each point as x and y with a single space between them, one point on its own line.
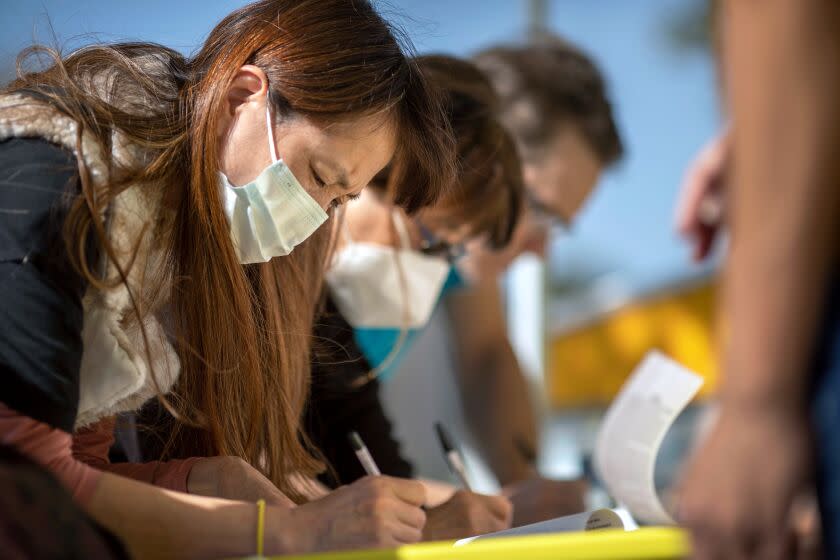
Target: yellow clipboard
649 543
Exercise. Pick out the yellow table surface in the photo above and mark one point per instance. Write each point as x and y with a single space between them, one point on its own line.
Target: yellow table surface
654 543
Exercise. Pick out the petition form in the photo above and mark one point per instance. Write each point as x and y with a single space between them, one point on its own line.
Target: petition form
627 445
633 429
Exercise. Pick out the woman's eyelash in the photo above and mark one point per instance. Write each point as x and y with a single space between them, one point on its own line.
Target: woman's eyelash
318 181
344 199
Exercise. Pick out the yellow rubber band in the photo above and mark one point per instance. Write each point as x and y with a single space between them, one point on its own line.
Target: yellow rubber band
260 526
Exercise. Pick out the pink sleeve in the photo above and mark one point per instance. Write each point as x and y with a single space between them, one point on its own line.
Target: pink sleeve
49 447
91 445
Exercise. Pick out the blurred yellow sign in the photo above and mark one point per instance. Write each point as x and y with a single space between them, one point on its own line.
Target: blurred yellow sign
587 365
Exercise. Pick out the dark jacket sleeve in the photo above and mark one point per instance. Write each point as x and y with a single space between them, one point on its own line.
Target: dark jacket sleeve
337 405
41 312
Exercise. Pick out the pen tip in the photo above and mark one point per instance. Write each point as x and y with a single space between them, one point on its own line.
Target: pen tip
443 437
355 440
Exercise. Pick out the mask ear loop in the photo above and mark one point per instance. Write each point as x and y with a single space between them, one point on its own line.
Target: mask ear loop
343 233
404 239
272 147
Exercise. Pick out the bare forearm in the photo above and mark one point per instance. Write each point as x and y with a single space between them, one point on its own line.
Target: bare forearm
494 391
501 414
784 83
157 523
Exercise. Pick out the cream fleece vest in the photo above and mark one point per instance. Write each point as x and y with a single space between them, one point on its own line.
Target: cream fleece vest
115 373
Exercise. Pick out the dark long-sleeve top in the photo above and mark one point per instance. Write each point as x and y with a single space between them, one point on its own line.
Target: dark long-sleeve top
337 406
41 313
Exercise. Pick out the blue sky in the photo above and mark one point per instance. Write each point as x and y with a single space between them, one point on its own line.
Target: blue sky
664 99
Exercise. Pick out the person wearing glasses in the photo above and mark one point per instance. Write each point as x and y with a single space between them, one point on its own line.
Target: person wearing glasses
389 272
555 104
552 100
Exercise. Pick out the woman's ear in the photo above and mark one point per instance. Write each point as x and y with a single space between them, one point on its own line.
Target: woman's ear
248 87
250 84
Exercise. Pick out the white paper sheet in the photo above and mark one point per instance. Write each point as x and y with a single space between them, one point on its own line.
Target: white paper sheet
586 521
633 429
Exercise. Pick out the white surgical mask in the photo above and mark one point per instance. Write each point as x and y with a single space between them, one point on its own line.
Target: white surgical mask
387 295
273 213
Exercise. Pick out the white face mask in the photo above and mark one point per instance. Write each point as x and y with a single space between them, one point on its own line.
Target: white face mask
273 213
386 294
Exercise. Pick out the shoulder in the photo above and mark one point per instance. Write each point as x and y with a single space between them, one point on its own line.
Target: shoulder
37 181
34 156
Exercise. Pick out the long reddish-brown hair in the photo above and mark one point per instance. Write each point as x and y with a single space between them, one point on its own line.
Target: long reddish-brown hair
242 332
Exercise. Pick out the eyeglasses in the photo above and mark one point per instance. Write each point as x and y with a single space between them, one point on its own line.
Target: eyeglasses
434 246
546 216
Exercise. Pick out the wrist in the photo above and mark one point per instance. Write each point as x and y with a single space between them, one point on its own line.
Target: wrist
518 472
286 532
762 400
521 465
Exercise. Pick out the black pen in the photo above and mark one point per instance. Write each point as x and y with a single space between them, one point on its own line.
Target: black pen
452 455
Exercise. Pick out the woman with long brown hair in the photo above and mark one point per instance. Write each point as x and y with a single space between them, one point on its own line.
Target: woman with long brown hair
145 198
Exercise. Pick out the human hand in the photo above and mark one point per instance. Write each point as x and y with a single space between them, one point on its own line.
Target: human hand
805 524
373 512
737 494
309 488
467 514
700 210
234 479
537 499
